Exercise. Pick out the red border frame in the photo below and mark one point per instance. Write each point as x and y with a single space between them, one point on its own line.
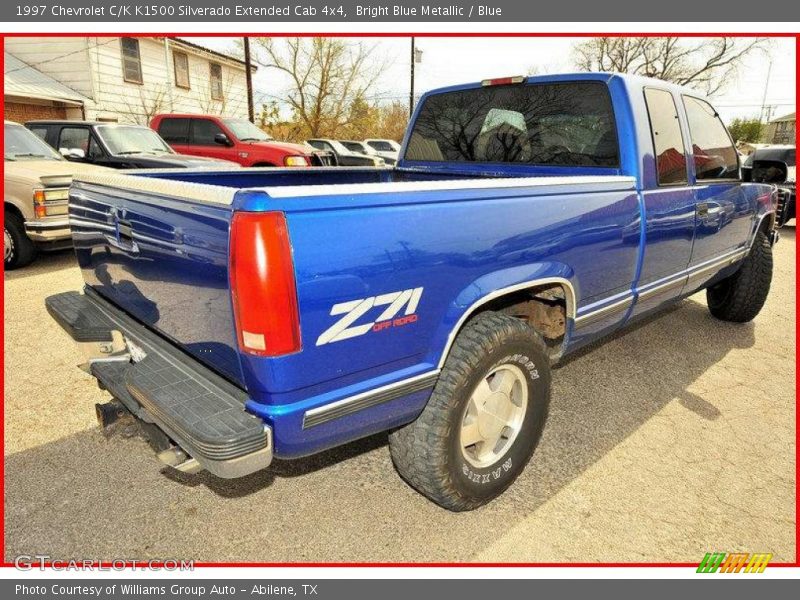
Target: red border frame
107 565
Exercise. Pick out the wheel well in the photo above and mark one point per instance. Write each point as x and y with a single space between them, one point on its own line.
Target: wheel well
767 222
545 307
13 209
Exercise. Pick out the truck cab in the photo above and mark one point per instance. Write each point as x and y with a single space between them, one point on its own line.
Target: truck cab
233 139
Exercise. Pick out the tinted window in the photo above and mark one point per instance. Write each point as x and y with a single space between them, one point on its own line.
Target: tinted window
569 124
203 132
715 156
382 146
665 127
80 138
174 131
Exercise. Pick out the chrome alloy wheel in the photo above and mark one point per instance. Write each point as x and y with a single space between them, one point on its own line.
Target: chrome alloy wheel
494 415
9 245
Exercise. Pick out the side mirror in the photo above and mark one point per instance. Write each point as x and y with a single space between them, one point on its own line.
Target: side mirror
769 171
222 140
72 153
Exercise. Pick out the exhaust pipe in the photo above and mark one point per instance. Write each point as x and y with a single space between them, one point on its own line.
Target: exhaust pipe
177 458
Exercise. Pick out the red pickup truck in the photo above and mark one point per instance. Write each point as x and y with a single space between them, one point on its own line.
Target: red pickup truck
233 139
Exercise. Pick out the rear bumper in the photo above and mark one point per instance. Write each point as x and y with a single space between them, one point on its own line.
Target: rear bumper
51 229
200 411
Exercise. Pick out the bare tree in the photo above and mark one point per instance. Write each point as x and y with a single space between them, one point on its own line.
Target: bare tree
326 74
148 105
705 64
213 103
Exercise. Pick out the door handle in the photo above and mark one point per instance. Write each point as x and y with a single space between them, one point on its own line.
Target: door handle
702 209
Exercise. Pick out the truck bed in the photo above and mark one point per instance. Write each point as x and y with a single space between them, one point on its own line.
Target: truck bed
155 243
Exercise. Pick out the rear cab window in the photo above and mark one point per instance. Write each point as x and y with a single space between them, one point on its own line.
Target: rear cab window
713 150
562 124
668 143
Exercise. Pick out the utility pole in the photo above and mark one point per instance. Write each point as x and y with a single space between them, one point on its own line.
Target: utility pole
764 98
411 96
249 77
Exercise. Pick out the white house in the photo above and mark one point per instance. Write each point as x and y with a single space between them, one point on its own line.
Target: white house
130 79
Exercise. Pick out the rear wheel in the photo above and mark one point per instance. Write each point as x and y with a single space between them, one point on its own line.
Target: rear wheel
484 418
740 297
19 250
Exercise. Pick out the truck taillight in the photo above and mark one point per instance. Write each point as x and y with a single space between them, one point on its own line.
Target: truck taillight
263 285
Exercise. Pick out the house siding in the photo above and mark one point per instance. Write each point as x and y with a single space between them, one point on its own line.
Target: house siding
93 67
64 59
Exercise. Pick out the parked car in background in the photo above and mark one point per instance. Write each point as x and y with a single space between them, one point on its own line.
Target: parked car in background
345 157
364 148
385 148
233 139
117 146
776 165
35 185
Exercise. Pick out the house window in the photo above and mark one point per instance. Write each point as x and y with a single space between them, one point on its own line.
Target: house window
216 81
181 62
131 61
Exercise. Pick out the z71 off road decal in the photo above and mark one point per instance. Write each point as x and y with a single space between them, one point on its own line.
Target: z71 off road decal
346 327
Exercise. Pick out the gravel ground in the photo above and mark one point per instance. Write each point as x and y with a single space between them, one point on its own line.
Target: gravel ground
671 440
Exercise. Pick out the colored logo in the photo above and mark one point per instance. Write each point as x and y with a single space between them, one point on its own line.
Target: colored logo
359 310
721 562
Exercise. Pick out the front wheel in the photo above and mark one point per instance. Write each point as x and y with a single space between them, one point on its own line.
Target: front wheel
19 250
741 296
484 418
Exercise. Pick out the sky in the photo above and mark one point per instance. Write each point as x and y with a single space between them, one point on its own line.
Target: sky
449 61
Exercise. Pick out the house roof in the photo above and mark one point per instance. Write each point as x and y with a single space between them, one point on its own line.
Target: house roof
213 52
789 117
23 80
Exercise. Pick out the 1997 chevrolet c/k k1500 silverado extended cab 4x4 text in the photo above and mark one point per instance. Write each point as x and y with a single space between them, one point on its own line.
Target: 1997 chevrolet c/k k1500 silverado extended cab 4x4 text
274 312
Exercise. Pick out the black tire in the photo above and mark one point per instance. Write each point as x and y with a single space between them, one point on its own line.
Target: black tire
22 250
740 297
427 452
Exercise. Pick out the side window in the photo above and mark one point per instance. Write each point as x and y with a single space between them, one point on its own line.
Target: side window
131 60
80 138
665 127
181 62
215 71
174 131
41 132
95 151
715 156
203 132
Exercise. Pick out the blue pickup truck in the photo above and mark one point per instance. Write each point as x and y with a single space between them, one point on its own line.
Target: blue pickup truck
243 315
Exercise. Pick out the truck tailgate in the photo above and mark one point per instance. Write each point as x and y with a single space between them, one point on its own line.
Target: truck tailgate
164 261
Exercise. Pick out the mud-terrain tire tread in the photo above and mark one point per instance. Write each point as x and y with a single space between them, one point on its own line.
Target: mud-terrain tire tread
740 297
418 450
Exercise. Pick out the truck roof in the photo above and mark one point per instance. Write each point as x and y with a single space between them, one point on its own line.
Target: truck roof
636 81
75 122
